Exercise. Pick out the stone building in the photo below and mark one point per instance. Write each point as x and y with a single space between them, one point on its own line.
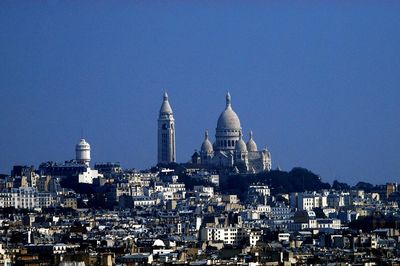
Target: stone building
229 148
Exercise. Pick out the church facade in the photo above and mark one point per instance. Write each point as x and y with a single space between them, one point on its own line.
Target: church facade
229 148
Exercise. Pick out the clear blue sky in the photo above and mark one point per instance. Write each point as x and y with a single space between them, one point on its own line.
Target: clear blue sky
317 81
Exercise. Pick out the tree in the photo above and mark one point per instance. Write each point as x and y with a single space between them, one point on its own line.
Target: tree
340 186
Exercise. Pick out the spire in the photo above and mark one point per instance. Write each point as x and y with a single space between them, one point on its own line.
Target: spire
206 135
251 134
228 100
165 107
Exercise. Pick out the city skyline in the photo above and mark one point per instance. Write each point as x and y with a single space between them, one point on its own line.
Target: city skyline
321 95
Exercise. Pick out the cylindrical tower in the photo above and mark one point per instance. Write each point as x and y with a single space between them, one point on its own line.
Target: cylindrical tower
83 152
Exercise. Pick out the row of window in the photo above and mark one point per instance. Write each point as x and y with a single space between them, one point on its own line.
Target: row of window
230 130
226 143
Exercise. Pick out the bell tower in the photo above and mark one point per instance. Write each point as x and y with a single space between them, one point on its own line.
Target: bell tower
166 133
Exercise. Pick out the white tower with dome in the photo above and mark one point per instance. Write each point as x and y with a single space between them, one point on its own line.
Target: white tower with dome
82 150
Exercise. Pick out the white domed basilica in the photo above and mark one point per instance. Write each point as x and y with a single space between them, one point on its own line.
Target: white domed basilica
229 148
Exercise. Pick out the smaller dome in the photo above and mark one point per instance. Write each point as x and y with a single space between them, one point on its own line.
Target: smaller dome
251 144
206 146
165 107
241 145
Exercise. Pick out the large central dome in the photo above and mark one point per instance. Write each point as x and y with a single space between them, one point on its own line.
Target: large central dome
228 119
228 128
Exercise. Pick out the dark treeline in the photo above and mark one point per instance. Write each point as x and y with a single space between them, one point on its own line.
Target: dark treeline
297 180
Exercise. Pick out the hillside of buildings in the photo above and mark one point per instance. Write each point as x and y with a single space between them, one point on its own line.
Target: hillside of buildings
182 213
296 180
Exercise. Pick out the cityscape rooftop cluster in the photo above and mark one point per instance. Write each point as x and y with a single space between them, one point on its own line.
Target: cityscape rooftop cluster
186 214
